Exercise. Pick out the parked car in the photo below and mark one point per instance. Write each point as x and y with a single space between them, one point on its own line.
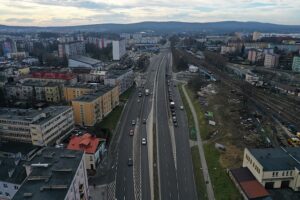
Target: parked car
133 122
129 162
131 132
144 141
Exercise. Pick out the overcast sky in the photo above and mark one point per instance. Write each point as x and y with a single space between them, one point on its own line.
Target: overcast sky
78 12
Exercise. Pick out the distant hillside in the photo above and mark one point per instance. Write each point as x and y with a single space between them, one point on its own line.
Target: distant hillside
167 27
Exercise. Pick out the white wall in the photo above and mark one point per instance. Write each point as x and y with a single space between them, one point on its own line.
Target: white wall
8 188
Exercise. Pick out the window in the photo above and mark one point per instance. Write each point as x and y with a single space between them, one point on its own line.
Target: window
16 187
7 194
4 185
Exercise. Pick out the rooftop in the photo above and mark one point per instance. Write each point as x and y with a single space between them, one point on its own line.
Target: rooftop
82 85
277 159
86 142
91 97
31 115
85 59
12 170
52 174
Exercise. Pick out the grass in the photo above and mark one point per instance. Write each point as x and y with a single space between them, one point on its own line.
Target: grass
199 179
222 185
125 96
111 120
200 114
191 124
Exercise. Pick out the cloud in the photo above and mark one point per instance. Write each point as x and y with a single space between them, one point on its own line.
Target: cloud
76 12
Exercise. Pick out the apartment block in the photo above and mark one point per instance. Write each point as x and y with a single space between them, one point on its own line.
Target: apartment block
71 48
122 78
91 108
72 92
255 55
118 49
55 173
39 127
274 167
271 60
296 64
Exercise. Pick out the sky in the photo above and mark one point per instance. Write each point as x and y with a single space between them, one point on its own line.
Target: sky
80 12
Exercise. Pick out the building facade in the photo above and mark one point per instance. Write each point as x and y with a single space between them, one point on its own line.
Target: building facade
72 92
271 60
39 127
122 78
118 49
71 48
274 167
296 64
90 109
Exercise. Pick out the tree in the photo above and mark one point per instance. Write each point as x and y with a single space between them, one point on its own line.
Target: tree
196 83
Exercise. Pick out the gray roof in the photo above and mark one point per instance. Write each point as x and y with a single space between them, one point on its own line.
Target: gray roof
278 159
85 59
32 115
67 161
91 97
12 170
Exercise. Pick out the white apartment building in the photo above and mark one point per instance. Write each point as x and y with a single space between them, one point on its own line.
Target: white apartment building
55 173
271 60
119 49
274 167
39 127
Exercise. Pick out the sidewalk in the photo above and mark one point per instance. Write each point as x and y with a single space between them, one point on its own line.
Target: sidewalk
206 176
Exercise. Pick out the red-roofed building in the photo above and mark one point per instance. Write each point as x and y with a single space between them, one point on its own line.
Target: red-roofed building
93 147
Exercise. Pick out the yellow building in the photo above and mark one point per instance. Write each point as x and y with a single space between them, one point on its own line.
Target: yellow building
72 92
52 93
91 108
24 70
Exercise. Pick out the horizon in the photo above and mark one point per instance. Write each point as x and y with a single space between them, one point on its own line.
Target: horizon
42 13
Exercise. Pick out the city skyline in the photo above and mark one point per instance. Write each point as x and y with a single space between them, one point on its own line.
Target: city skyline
80 12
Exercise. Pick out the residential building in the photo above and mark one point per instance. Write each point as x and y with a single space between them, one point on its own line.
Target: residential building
256 36
84 62
12 175
58 77
271 60
118 49
99 42
52 93
122 78
71 48
9 46
17 55
91 108
296 64
93 148
55 173
72 92
39 127
228 49
125 36
255 55
274 167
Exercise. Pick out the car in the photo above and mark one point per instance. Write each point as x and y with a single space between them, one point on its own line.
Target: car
144 141
140 94
173 113
138 100
181 108
131 132
174 119
144 121
129 162
175 124
133 122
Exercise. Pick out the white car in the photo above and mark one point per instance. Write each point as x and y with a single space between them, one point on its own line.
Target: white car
144 141
181 107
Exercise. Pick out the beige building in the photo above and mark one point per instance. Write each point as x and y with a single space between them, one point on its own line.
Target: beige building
39 127
271 60
274 167
74 91
91 108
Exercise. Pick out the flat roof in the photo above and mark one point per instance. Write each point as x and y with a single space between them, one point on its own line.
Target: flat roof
82 85
15 147
277 159
12 170
32 115
85 59
91 97
52 181
86 142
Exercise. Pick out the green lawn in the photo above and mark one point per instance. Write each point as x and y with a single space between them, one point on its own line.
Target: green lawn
199 179
111 120
223 186
125 96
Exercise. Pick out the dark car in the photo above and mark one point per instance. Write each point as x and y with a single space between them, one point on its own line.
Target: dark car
144 121
129 162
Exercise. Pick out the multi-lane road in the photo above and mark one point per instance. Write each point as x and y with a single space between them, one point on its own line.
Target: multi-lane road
175 171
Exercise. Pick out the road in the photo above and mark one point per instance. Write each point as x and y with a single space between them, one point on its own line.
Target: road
176 180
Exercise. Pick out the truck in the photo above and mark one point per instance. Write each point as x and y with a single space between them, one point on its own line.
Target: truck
146 92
